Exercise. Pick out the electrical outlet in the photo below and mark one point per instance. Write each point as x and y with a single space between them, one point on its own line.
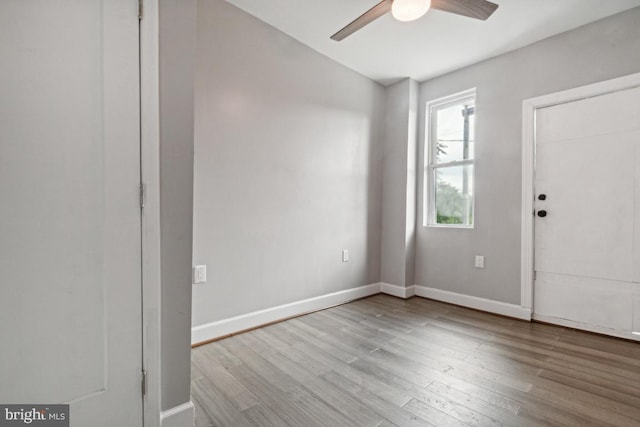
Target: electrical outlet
199 274
479 261
345 255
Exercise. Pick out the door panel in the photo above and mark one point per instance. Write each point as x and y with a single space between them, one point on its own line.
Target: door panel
590 205
587 247
615 112
604 303
69 214
636 228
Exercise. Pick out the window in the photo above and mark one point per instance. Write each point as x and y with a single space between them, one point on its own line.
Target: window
449 160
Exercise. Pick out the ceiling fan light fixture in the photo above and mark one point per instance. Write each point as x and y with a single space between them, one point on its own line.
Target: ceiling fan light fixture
409 10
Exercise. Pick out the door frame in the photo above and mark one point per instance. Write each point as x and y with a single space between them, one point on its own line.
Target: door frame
150 179
529 108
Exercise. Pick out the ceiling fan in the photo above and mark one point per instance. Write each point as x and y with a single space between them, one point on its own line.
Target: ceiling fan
409 10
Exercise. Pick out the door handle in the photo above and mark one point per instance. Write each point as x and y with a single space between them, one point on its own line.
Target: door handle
542 213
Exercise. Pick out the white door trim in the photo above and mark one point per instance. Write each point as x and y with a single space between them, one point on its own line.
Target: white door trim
150 170
529 107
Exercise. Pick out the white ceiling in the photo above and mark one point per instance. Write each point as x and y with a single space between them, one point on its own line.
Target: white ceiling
387 50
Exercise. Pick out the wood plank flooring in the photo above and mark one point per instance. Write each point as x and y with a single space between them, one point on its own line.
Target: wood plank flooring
383 361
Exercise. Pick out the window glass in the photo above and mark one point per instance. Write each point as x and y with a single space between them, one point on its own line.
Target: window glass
450 165
450 133
454 195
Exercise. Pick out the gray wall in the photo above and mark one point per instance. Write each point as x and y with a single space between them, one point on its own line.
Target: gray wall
398 184
287 169
177 56
444 257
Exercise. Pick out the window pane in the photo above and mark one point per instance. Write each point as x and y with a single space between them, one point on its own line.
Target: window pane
455 134
454 195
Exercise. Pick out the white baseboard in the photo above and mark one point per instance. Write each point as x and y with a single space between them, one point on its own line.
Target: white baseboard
221 328
635 336
178 416
398 291
491 306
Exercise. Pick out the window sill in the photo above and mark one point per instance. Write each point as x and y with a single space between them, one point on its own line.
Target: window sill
464 227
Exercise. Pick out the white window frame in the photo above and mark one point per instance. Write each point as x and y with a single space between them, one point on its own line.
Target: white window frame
430 167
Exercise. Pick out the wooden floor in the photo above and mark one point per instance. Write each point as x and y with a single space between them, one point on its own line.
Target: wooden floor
384 361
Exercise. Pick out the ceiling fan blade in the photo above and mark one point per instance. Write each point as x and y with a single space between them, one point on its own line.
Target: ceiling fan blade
366 18
478 9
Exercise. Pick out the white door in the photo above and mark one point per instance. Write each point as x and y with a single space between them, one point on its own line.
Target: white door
587 247
70 245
